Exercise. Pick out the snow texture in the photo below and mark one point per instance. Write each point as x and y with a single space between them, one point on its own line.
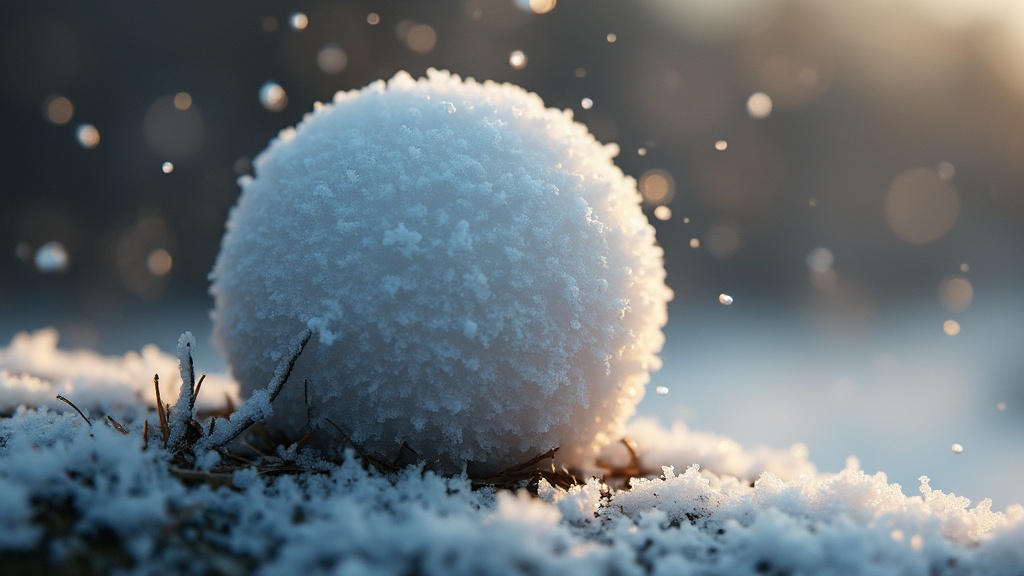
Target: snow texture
33 371
480 280
93 500
343 519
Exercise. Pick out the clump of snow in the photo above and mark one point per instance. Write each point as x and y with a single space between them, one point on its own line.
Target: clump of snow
479 278
70 493
33 371
77 497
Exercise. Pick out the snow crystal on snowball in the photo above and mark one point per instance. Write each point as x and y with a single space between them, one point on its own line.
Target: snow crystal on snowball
480 280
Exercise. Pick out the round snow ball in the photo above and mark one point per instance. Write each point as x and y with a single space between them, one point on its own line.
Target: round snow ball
478 276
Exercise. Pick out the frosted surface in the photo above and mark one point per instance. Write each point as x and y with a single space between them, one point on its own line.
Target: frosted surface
480 281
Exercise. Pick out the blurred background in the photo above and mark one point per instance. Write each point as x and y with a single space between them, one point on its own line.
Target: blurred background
838 186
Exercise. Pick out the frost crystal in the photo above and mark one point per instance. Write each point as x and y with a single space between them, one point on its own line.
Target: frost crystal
480 281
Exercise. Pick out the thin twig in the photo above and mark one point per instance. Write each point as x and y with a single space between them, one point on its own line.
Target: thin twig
165 431
248 417
72 404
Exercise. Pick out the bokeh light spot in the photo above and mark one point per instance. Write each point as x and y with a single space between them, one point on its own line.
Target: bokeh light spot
273 97
167 167
159 262
951 327
58 110
537 6
182 101
88 136
373 19
663 213
587 103
820 259
956 293
51 258
920 206
721 145
657 186
298 21
759 105
331 59
517 59
725 299
420 38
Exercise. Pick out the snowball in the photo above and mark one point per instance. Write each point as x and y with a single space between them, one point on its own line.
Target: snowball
480 281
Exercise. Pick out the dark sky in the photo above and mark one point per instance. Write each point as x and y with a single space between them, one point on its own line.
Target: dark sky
860 95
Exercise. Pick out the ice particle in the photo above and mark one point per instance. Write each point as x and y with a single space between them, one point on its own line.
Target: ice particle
661 390
725 299
167 167
957 448
482 286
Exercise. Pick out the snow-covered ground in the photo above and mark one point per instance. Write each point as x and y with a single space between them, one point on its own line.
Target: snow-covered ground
90 496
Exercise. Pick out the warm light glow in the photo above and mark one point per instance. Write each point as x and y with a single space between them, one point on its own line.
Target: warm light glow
182 101
373 19
759 105
587 103
721 145
159 262
273 97
331 59
88 136
542 6
58 110
420 38
920 206
611 38
957 448
661 390
725 299
517 59
299 21
951 327
956 293
657 186
694 242
663 213
167 167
